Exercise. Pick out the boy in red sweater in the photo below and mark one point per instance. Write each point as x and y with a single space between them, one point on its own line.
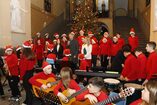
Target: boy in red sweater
11 66
130 67
94 92
47 73
151 66
142 60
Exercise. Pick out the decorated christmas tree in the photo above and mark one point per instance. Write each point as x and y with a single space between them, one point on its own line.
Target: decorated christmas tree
84 17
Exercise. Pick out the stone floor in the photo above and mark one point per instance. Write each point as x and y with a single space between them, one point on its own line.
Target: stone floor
5 101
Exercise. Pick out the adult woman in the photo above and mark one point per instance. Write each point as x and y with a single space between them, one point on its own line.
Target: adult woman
149 94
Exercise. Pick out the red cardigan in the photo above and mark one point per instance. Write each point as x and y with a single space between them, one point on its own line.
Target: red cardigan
12 62
25 65
72 85
133 41
40 75
130 69
142 60
151 67
103 96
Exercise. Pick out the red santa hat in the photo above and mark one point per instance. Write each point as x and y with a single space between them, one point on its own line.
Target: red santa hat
50 47
56 34
90 33
51 56
9 47
67 52
81 56
45 65
27 44
18 48
64 35
132 31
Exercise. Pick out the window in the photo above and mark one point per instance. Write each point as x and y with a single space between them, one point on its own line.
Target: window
47 5
103 5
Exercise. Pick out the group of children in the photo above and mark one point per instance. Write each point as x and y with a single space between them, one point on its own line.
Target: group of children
87 49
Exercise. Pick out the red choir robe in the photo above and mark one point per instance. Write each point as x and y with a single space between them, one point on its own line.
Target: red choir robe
83 64
79 39
151 67
12 63
25 65
95 46
133 41
39 51
105 47
142 60
130 69
121 42
115 47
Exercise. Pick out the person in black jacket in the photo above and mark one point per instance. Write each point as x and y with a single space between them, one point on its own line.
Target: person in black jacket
74 48
58 50
1 86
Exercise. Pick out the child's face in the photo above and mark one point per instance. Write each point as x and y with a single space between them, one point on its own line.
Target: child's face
145 95
9 52
93 89
48 70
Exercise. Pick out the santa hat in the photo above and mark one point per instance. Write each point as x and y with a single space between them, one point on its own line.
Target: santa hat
64 35
56 34
81 56
27 44
9 47
50 47
51 56
45 65
18 48
90 33
132 31
67 52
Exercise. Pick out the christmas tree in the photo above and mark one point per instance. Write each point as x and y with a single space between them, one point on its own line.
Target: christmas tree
84 17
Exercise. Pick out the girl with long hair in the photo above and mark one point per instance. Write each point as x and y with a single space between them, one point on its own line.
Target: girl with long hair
26 65
149 94
66 83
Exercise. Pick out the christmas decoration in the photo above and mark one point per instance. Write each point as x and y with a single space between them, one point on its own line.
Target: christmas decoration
84 18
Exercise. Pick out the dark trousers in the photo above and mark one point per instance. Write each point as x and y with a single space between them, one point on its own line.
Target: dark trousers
40 62
1 88
104 61
28 87
13 83
94 60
